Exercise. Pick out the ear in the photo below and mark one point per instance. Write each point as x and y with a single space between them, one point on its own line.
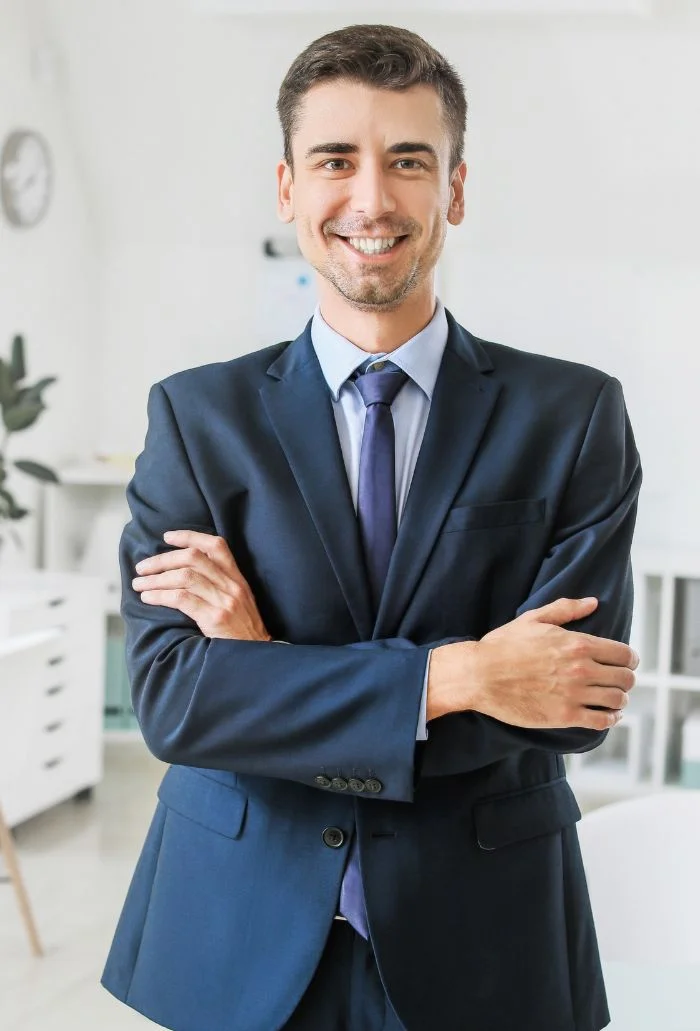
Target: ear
455 211
285 193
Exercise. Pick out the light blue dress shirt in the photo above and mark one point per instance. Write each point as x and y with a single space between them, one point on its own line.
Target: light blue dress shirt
420 359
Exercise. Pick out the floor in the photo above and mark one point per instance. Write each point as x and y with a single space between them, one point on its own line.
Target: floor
77 860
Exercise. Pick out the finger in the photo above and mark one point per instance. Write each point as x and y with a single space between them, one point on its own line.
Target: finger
606 697
564 610
596 719
185 558
187 579
215 547
183 601
620 678
611 653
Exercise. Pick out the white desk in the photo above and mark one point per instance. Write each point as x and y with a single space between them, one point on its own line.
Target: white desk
649 997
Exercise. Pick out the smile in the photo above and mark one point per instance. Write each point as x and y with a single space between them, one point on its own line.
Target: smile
374 248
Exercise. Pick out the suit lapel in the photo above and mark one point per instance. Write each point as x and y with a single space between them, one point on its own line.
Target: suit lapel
298 403
299 406
462 404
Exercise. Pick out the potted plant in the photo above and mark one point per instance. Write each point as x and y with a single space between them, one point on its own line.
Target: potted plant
21 407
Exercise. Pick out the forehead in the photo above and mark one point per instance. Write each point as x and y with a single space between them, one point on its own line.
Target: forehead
353 112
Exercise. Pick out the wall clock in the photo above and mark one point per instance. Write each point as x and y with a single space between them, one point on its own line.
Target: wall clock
25 178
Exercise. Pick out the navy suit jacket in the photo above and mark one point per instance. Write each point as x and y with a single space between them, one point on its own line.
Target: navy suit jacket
525 491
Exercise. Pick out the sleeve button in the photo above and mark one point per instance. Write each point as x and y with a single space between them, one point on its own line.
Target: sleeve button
322 782
356 785
373 785
339 783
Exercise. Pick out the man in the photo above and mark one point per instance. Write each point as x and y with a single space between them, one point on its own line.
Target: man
397 590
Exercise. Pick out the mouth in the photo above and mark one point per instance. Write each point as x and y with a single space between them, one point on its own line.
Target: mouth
373 249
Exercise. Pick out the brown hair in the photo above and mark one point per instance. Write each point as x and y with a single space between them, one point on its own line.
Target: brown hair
382 56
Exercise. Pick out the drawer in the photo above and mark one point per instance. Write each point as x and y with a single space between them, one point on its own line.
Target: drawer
51 610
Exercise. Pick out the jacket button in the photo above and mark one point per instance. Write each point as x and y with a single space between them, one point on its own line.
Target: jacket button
373 785
323 782
356 785
339 783
333 837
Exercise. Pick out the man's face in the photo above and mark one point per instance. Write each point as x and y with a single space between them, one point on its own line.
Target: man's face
371 164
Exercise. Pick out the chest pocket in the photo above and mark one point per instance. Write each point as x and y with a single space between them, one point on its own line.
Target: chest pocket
495 515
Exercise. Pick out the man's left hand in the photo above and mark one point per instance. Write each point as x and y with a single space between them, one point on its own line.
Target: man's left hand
201 579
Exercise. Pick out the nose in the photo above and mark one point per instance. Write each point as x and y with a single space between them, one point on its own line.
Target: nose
371 192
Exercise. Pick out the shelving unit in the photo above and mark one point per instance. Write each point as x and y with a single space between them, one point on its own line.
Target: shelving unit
84 516
51 689
645 751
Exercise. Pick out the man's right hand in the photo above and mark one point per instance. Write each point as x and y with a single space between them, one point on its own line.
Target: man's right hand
533 673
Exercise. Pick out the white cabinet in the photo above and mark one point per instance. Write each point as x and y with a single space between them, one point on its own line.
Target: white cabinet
84 517
52 648
654 746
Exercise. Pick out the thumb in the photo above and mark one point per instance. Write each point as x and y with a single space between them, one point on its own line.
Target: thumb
564 610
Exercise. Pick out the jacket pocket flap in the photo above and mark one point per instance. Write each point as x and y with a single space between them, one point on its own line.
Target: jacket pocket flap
204 801
499 513
517 816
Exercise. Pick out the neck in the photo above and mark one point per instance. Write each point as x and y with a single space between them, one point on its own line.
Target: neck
376 332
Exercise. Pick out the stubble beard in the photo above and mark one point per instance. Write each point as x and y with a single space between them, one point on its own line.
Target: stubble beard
370 292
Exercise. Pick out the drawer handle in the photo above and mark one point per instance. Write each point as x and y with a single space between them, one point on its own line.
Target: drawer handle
51 727
56 660
55 689
57 601
50 763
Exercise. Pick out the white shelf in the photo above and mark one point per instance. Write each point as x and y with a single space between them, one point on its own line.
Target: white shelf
664 634
682 683
96 473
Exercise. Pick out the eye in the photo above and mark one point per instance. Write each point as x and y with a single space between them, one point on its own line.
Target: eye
334 161
411 161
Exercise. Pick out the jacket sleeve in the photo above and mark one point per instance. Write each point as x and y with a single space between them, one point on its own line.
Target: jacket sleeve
253 707
589 556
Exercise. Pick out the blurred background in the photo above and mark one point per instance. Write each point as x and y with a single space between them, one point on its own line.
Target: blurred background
138 236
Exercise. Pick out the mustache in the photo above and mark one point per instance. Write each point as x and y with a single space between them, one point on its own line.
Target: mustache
366 230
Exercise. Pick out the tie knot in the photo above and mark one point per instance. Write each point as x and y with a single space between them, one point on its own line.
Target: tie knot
380 385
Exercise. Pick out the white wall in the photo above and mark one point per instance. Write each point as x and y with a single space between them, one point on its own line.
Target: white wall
47 274
583 212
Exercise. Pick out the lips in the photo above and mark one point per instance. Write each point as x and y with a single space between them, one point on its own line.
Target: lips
370 255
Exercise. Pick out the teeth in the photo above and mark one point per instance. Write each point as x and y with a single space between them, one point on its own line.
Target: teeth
369 245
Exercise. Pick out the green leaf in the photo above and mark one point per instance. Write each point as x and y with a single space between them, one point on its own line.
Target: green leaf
33 393
38 471
11 509
8 391
23 415
18 369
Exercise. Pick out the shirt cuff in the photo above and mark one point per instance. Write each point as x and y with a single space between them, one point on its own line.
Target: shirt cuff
422 730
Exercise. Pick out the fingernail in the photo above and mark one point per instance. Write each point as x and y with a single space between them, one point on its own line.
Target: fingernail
167 535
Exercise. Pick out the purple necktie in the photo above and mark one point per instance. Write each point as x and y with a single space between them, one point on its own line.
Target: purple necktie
376 512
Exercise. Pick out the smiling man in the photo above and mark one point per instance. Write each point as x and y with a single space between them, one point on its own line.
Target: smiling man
376 584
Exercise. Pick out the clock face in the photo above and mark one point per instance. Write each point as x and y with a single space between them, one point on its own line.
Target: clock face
25 178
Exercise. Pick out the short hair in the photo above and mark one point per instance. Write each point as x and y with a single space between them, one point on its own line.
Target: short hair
383 56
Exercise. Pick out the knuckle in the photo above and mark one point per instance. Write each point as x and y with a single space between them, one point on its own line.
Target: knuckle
179 596
578 647
187 577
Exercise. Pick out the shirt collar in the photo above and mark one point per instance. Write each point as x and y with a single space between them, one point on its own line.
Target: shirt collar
419 357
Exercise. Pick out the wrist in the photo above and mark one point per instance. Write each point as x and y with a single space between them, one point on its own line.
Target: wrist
453 679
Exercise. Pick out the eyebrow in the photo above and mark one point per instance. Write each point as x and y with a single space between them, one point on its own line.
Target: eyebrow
405 147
